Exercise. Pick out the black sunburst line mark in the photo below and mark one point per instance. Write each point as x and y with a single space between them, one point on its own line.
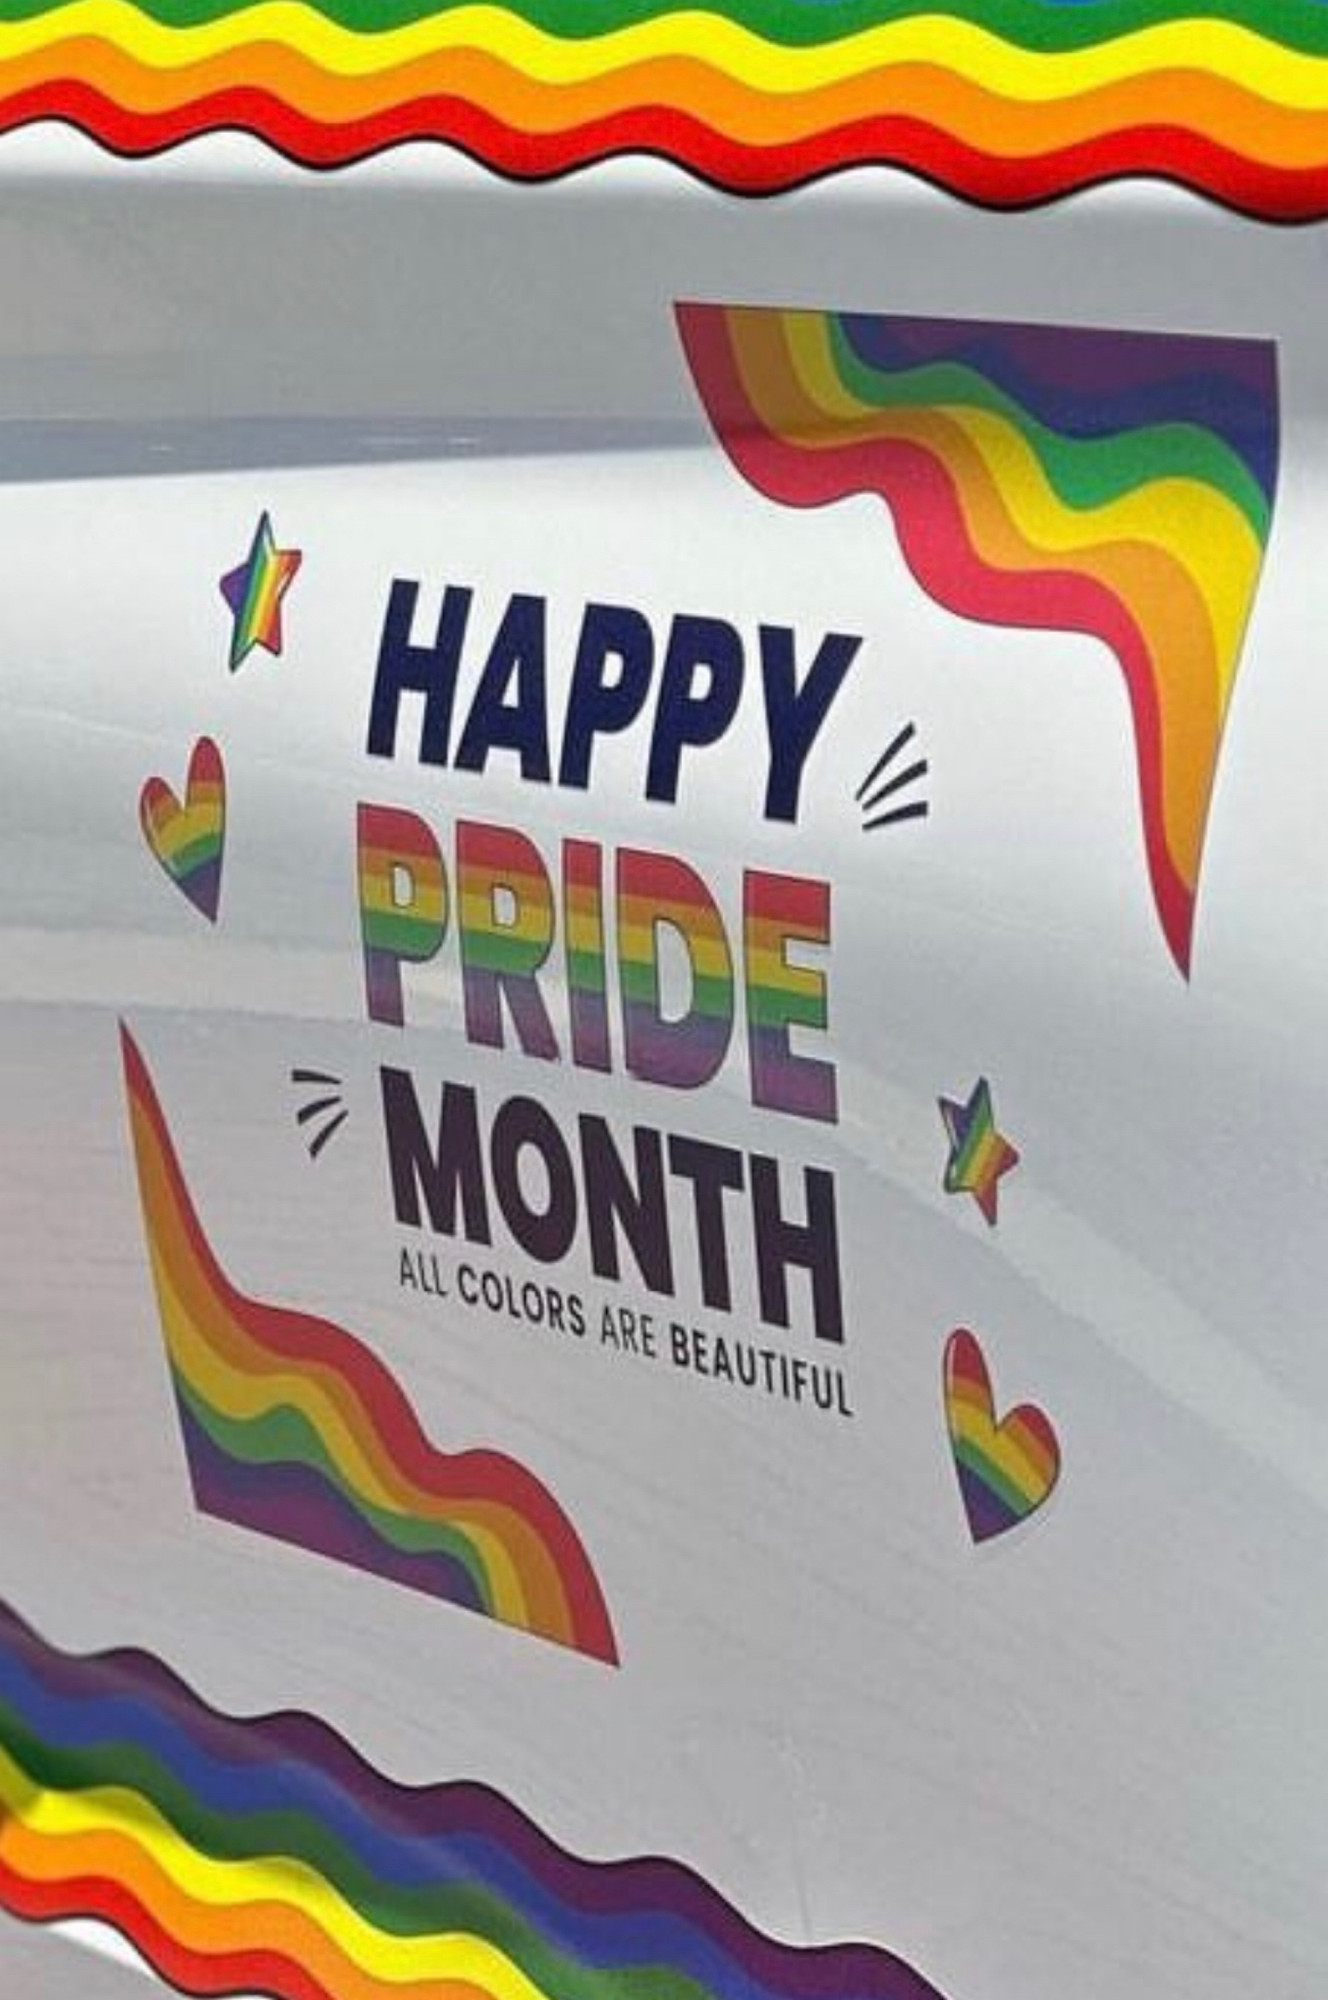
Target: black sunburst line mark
330 1102
869 799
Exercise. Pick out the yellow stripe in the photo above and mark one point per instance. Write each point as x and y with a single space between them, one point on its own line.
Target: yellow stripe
710 955
773 971
1283 76
535 915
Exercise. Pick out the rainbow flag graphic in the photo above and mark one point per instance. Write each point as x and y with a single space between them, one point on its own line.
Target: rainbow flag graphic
244 1857
1005 102
1064 479
292 1428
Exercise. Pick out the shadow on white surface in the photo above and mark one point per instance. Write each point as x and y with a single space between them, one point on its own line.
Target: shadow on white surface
78 1961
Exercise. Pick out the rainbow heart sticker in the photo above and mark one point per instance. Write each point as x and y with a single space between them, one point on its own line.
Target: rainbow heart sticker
189 840
1007 1469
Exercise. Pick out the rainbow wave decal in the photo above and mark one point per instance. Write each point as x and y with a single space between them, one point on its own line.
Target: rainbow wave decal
266 1857
293 1429
1063 479
1005 102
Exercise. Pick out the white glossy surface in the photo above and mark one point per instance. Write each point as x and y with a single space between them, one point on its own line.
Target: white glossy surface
1086 1763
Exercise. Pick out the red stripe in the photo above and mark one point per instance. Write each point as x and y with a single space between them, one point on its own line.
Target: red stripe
387 832
502 848
965 1364
205 764
662 878
1252 187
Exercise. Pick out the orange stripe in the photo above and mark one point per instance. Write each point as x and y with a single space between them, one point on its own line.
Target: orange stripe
1189 100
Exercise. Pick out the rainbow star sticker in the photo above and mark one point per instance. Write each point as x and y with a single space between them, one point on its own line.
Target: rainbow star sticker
979 1154
254 592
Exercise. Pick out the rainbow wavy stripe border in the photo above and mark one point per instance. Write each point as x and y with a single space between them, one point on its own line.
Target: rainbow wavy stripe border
294 1429
1069 479
1004 102
266 1857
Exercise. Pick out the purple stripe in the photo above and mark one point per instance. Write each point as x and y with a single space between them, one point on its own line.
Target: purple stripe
681 1054
293 1503
1085 382
588 1015
988 1514
382 985
785 1081
202 885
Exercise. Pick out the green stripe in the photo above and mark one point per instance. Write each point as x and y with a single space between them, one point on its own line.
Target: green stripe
991 1475
404 937
710 997
284 1436
586 971
1029 24
1083 472
499 951
775 1006
195 854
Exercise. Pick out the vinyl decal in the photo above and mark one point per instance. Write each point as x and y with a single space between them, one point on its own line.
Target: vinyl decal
189 838
879 794
1115 484
979 1154
1007 1469
323 1111
293 1429
254 590
266 1857
1004 102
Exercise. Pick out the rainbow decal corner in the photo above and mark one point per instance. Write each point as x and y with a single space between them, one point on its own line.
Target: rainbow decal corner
294 1430
1005 103
1118 485
265 1856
